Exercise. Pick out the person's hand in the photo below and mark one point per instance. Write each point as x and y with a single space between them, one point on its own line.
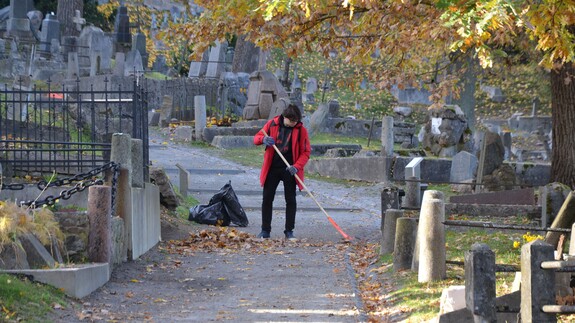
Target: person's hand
292 170
269 141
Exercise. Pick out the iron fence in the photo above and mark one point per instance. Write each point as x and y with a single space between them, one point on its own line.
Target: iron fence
66 130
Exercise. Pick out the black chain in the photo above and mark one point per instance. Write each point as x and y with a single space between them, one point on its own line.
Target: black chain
65 194
13 187
83 182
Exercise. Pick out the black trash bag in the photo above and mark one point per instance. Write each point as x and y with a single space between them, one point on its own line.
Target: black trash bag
212 214
228 196
222 209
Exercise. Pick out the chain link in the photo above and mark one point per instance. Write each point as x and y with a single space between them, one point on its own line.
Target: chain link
83 182
13 187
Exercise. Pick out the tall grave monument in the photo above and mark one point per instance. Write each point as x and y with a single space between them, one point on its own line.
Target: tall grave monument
18 24
122 36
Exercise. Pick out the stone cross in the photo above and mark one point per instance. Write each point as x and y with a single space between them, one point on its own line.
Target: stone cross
78 20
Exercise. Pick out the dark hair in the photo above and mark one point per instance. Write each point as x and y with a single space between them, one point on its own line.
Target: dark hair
292 112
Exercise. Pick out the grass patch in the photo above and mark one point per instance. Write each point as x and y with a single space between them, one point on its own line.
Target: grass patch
183 210
22 300
421 300
252 156
328 138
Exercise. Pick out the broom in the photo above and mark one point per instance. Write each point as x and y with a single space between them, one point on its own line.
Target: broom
345 235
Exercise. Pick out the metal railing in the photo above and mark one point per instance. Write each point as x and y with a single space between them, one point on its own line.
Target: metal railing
66 130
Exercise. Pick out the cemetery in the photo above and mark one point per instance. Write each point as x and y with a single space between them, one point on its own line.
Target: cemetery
78 106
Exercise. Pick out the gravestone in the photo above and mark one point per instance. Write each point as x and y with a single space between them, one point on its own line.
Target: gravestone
444 131
411 95
319 118
246 56
133 64
263 91
123 37
18 24
198 69
493 93
506 140
311 85
35 17
73 71
95 48
56 51
50 31
310 89
19 111
232 92
69 44
524 196
463 167
160 64
139 43
14 53
494 152
166 110
120 63
216 60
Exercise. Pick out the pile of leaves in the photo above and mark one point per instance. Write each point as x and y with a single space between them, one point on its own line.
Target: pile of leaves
229 239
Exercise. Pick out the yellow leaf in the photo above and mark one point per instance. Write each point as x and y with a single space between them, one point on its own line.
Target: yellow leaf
134 281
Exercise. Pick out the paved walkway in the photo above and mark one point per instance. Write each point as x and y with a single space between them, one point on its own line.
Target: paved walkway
310 280
356 209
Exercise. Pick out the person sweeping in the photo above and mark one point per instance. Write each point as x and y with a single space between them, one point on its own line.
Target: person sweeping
291 138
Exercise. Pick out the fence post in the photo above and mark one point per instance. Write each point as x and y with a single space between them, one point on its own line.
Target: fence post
387 136
405 232
100 219
389 200
388 232
122 154
480 283
137 151
200 116
431 237
184 180
413 185
537 284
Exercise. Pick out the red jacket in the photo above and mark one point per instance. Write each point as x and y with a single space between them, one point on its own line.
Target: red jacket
301 148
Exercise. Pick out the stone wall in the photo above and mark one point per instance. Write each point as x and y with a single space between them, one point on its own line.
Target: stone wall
75 226
402 131
374 169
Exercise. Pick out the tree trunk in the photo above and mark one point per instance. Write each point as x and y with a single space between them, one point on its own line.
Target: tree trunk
66 12
563 120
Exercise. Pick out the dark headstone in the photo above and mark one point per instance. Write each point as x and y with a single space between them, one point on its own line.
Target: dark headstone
494 152
122 27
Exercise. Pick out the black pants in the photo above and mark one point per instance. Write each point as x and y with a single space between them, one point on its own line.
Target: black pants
273 179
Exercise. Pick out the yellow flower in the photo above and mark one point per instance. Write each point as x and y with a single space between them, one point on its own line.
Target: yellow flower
516 244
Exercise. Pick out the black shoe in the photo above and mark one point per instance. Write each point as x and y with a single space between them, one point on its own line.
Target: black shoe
264 234
289 235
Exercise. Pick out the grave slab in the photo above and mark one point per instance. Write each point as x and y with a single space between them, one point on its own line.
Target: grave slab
524 196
